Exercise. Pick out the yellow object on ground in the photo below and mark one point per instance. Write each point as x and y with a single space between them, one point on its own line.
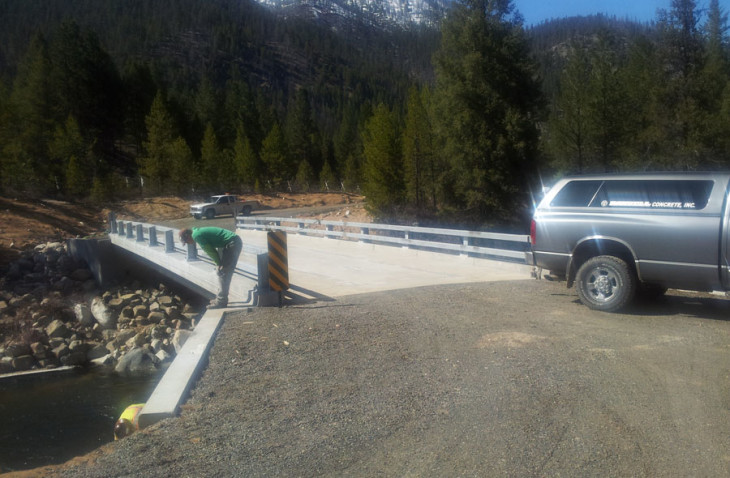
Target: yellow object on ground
128 421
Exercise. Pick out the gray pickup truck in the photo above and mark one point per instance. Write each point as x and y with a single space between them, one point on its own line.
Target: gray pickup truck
618 235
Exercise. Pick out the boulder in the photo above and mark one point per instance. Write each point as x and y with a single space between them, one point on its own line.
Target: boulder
156 345
56 342
6 365
22 363
17 349
102 313
78 346
137 341
132 298
156 317
163 356
103 360
57 329
137 362
179 338
61 351
140 310
84 315
123 336
115 303
97 351
75 358
38 350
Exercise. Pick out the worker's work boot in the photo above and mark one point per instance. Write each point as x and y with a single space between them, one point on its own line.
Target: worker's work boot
218 304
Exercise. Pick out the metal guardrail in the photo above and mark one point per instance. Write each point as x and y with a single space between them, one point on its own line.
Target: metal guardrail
493 244
150 237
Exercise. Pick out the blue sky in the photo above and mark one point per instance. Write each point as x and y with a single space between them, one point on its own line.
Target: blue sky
536 11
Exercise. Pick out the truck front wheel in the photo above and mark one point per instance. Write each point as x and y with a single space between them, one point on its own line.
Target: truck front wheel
605 283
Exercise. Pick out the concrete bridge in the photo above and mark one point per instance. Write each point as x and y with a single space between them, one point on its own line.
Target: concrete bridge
326 259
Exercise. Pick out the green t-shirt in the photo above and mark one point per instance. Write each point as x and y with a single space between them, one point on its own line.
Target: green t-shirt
212 238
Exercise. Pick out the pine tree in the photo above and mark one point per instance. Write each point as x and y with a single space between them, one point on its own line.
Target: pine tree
569 125
301 132
608 107
683 60
305 176
714 80
155 165
418 154
383 184
87 86
207 105
327 178
181 166
29 123
212 162
68 143
488 103
247 163
241 112
643 74
77 178
274 157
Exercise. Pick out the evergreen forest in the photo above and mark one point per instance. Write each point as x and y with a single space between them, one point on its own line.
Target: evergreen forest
456 124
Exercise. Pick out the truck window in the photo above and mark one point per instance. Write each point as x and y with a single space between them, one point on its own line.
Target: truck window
654 194
576 194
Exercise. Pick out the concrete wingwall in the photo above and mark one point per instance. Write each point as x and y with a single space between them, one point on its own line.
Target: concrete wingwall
111 264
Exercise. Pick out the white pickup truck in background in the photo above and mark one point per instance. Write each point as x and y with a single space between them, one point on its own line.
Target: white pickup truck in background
222 205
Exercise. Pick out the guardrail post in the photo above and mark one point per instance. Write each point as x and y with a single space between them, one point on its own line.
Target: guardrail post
169 242
300 228
465 243
140 233
329 228
112 223
120 228
365 231
192 252
262 263
130 233
153 235
406 236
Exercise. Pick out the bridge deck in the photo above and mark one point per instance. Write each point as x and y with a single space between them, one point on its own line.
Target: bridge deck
333 268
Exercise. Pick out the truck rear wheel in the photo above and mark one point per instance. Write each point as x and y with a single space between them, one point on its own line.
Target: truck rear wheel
246 211
605 283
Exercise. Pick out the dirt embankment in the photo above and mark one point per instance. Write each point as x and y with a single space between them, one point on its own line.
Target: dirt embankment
25 223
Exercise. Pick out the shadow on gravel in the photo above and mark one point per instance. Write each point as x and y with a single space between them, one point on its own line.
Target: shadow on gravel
701 307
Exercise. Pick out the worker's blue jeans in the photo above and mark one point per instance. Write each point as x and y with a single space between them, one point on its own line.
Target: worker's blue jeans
229 258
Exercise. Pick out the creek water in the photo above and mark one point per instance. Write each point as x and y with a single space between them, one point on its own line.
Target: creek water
50 420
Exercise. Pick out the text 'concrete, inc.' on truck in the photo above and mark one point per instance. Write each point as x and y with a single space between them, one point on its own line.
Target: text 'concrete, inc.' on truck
619 235
222 205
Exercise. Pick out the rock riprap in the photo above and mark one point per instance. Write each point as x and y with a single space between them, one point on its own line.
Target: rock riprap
52 313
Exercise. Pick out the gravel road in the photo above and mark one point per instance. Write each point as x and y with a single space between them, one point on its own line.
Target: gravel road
495 379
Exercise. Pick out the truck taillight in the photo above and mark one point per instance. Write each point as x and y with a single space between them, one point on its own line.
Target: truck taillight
533 233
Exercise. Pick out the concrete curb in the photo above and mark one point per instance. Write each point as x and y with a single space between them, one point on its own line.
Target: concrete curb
184 370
